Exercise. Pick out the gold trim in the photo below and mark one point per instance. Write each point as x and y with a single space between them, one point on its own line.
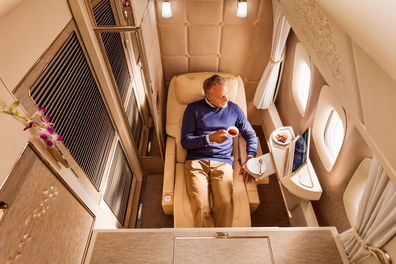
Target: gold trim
222 235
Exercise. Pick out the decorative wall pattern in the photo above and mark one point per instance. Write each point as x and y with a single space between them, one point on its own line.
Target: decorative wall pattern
315 27
45 223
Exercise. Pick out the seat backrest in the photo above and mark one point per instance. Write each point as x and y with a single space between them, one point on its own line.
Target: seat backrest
187 88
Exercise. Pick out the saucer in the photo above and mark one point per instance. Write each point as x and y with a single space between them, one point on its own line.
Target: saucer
253 167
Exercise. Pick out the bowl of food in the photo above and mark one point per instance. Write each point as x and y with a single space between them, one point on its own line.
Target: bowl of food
232 131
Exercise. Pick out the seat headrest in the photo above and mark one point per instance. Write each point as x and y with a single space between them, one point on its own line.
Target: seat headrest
189 87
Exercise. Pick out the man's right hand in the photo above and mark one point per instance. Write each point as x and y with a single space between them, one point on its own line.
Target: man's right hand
218 136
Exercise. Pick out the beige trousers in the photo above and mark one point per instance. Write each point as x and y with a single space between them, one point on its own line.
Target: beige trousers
201 177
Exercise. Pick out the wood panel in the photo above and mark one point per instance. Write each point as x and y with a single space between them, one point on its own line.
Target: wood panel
45 221
288 245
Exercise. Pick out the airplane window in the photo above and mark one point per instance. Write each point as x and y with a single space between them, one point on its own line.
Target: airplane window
328 127
301 78
334 135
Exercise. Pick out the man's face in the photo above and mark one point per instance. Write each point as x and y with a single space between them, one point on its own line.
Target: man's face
218 95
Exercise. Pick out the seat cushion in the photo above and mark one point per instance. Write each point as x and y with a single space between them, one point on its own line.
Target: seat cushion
184 217
189 87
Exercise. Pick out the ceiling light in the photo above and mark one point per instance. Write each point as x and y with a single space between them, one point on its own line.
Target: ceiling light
166 9
242 8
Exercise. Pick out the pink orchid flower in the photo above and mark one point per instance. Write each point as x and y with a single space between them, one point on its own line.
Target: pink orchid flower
30 123
53 139
39 112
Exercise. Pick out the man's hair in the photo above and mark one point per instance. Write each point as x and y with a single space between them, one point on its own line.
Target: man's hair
215 79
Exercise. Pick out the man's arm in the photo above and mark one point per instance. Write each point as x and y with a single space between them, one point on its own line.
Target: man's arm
188 138
249 135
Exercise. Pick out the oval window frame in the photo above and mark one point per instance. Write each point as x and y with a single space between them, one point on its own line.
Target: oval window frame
300 87
326 103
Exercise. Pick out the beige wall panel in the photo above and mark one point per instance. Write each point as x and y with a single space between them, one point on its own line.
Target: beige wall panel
178 13
139 7
212 27
378 20
254 114
233 64
204 12
262 39
250 90
255 67
174 66
203 63
236 40
173 40
203 40
26 33
152 17
147 34
230 10
8 5
378 99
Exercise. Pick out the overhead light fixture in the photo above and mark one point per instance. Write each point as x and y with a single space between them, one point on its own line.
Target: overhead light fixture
166 9
242 8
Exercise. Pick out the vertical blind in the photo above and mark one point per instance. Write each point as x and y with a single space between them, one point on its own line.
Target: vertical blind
70 94
114 48
119 185
112 42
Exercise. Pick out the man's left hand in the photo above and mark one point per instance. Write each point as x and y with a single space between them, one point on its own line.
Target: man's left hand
247 178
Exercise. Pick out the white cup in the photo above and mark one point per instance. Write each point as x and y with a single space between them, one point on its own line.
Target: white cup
233 131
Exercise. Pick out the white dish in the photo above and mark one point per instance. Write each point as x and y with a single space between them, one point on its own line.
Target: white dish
280 142
253 167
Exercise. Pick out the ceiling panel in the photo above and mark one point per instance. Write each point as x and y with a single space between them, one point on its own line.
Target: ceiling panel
203 63
173 40
204 12
203 40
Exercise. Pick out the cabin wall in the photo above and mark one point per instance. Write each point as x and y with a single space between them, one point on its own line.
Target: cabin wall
356 70
329 209
27 31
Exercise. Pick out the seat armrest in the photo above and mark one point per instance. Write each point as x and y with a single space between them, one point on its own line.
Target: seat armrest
252 192
251 188
242 154
169 175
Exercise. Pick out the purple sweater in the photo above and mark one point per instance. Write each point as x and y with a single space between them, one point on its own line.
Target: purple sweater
200 119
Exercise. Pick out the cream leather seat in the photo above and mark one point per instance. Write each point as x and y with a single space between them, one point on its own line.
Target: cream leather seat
185 89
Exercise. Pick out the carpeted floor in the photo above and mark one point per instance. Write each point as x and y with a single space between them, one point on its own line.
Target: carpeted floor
271 211
152 214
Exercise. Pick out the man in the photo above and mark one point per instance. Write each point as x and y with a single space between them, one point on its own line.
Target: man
209 153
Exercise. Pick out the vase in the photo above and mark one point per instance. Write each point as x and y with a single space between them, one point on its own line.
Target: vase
57 154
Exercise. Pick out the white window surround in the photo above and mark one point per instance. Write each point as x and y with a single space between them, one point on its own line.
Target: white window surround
334 135
354 191
301 78
327 102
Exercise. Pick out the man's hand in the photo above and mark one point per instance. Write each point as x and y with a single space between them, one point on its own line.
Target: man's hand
218 136
247 178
